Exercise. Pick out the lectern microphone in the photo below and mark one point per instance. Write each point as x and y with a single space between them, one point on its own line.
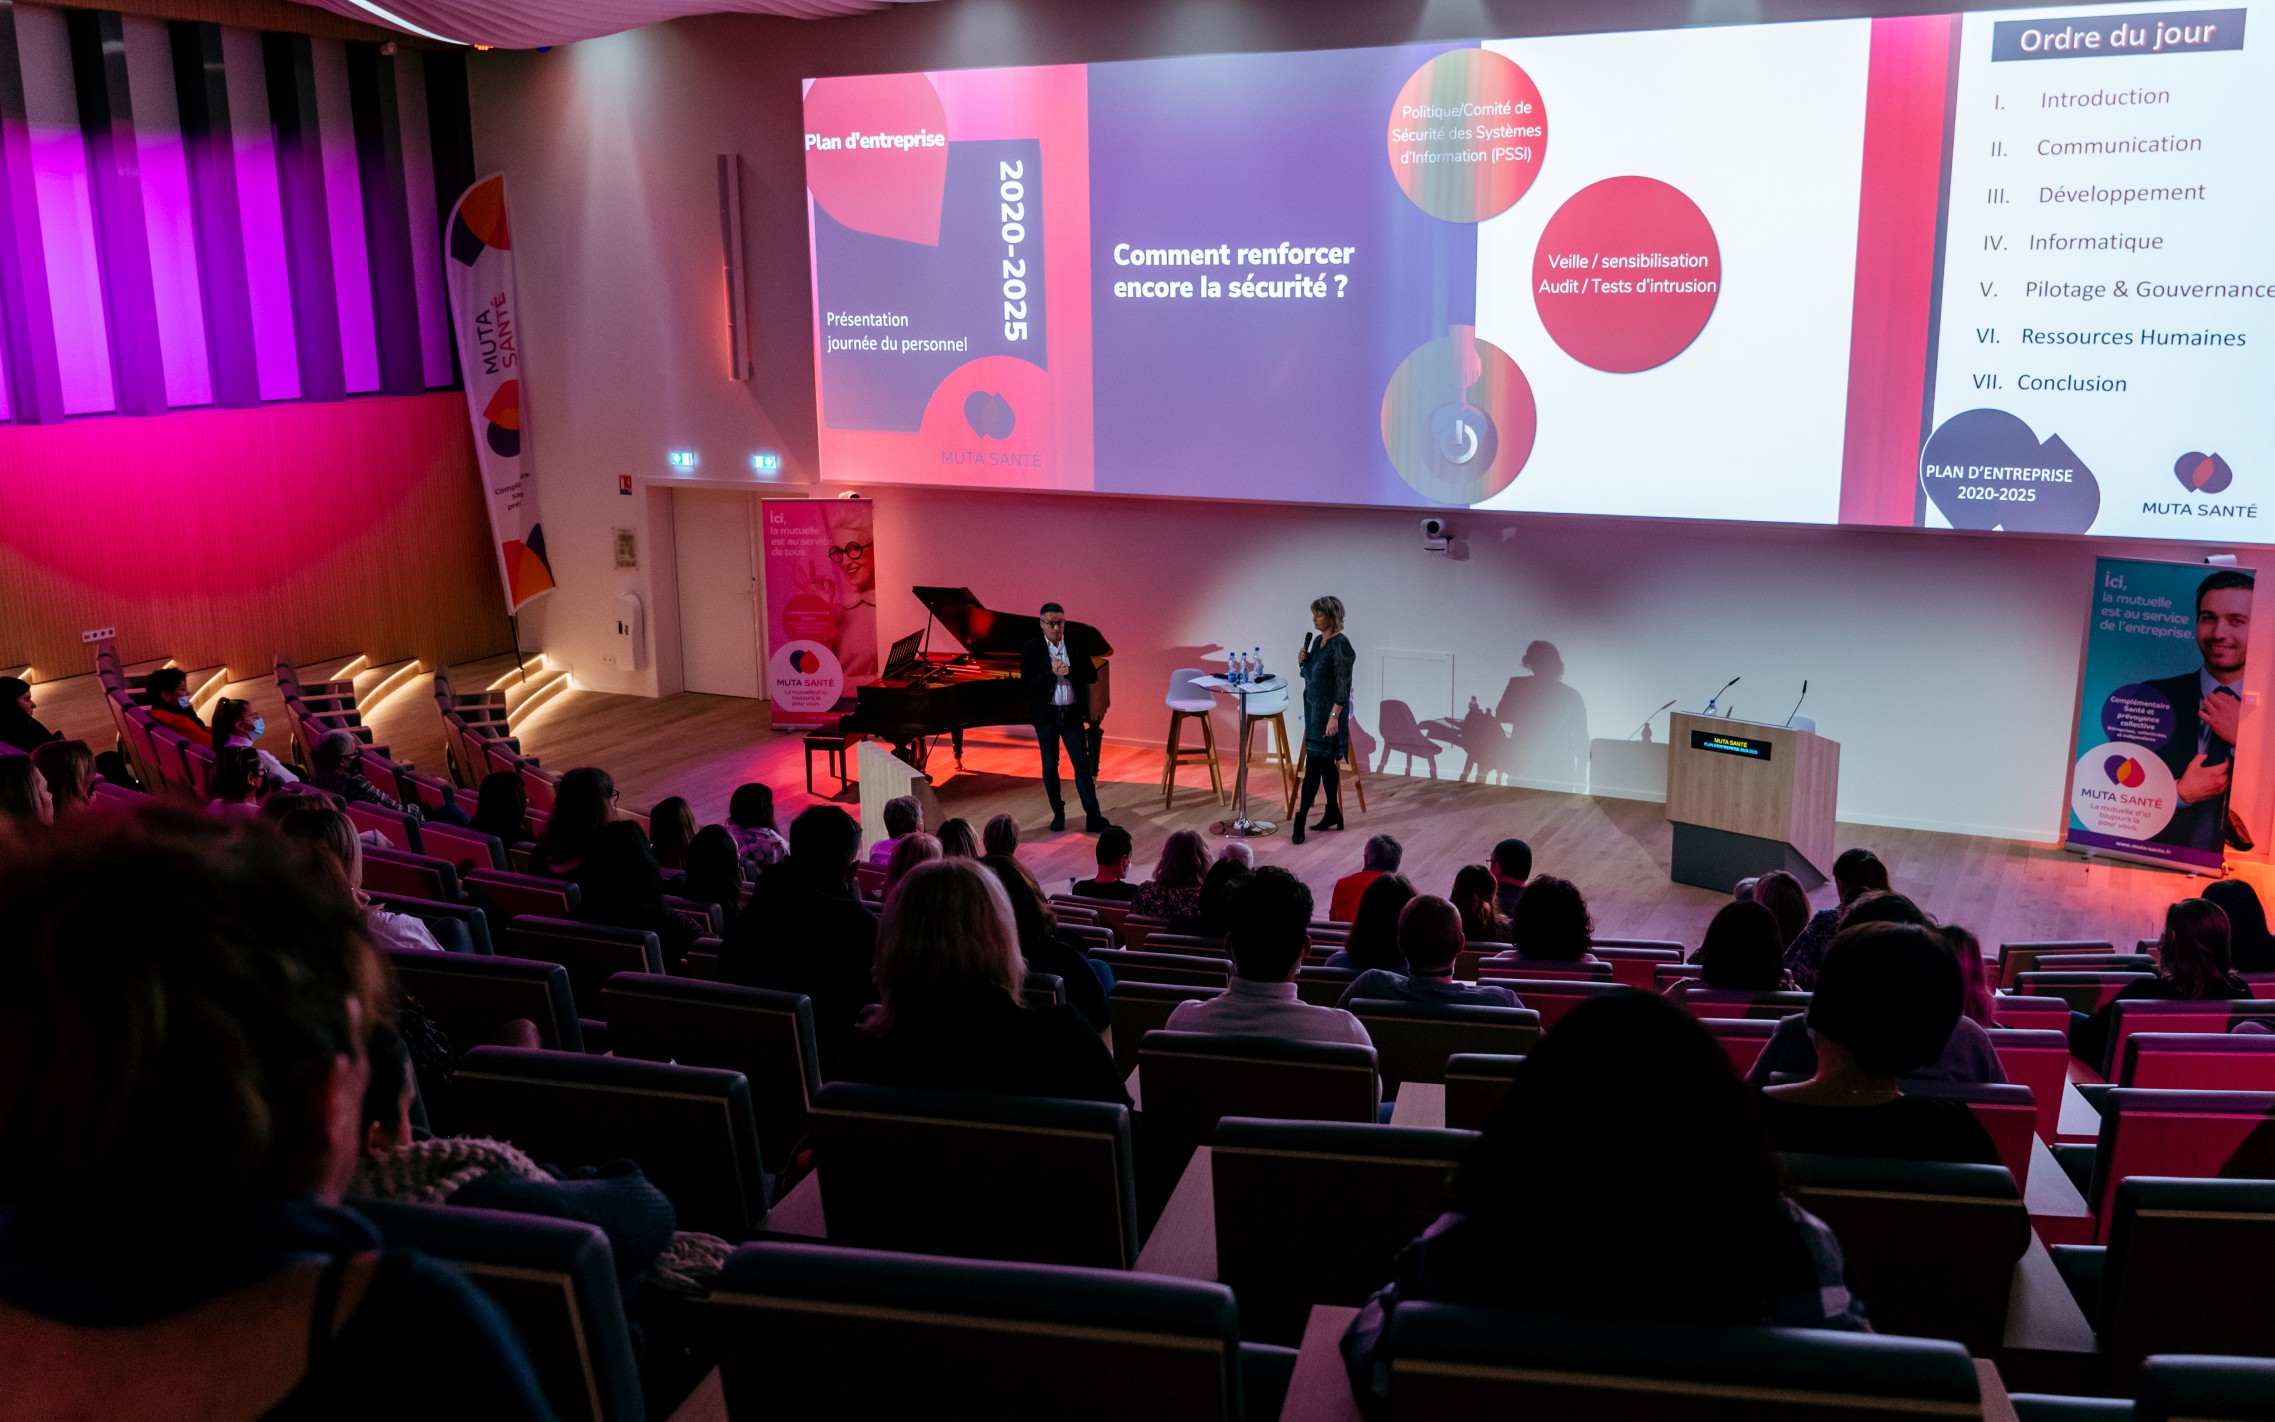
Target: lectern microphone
1716 698
1643 732
1797 705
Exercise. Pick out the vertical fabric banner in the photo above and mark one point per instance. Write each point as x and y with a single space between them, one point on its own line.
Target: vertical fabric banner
485 316
2161 713
821 605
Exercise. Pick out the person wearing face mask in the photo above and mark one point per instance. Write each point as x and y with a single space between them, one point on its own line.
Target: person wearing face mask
169 690
236 724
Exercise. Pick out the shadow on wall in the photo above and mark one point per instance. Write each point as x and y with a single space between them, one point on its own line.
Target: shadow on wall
1535 734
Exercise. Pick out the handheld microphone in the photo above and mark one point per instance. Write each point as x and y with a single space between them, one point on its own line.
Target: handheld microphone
1716 698
1797 705
1644 730
1310 643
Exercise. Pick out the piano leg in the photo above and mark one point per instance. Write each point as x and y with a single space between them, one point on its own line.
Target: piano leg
956 739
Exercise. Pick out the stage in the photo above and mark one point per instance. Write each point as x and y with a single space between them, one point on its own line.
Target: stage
1617 851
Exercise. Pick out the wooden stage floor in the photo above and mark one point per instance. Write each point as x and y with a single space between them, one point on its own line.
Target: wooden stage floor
702 747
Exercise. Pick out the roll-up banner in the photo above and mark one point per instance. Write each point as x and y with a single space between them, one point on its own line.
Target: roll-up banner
485 320
2160 714
821 605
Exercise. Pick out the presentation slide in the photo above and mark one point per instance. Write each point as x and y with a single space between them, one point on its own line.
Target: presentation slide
1999 271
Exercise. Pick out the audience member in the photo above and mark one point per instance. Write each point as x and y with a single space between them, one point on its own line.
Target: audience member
903 816
750 819
958 841
1512 869
1741 953
285 799
1885 1006
1270 929
949 974
184 1013
1856 872
671 828
583 802
1787 901
236 723
1977 1002
1112 880
1381 856
501 807
1045 949
337 850
910 850
69 769
1743 891
715 872
1175 887
337 769
238 781
1374 928
1627 1094
2250 949
1000 835
168 691
1217 889
1240 852
1429 940
1473 894
805 930
2192 964
18 727
620 886
24 797
1551 924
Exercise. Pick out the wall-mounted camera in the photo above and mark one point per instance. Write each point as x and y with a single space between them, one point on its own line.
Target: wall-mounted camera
1435 535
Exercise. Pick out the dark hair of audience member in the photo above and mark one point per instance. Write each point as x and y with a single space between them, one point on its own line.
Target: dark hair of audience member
2250 950
1742 951
901 814
23 792
957 840
69 769
287 798
1481 920
1512 859
751 806
501 807
1889 994
1114 845
1000 835
1184 861
1429 935
910 850
1787 901
2192 953
237 774
387 1095
1628 1093
583 802
824 841
227 712
946 930
620 886
671 828
179 1002
1270 925
1976 1000
1859 871
1374 925
1551 922
1031 915
714 870
162 684
1383 854
1218 887
1884 906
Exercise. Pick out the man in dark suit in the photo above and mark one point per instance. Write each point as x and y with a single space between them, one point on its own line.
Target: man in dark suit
1057 682
805 930
2207 706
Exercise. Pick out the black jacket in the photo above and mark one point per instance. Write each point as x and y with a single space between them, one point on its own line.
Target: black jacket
1035 676
980 1040
800 935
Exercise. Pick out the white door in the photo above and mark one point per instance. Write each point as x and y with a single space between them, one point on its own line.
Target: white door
718 590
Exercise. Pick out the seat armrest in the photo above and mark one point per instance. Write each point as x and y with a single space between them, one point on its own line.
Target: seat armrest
596 1035
2083 1266
2094 1092
1265 1371
2076 1159
2052 1407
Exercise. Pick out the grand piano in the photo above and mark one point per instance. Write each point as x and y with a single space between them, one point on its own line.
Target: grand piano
925 693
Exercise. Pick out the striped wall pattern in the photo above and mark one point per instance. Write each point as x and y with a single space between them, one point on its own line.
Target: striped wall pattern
197 215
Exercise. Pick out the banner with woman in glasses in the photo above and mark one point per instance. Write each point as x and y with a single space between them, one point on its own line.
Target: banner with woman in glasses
821 605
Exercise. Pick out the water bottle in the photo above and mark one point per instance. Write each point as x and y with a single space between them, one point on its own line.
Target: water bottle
1232 668
1256 664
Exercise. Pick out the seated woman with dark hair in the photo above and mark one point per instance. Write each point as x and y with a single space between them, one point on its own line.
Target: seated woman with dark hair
2192 965
671 828
184 1009
1045 948
959 841
1741 953
1481 919
910 850
1887 1000
750 819
1551 924
501 807
1628 1093
583 802
1217 888
715 873
238 782
1373 943
1175 887
622 887
2251 949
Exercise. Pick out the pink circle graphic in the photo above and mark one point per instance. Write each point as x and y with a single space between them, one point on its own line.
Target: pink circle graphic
1458 419
1466 135
1626 274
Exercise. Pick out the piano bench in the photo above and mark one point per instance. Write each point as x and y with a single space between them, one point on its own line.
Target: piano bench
833 747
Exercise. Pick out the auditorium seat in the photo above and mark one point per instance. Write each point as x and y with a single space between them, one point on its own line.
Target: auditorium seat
1710 1002
2199 1061
1449 1360
708 919
457 928
1091 936
468 849
2223 1135
398 828
1313 1212
1742 1038
2177 1015
1322 986
2017 958
1161 941
390 870
471 996
2031 1014
1412 1042
1666 975
2086 992
2039 1060
533 894
2095 963
1043 990
976 1175
1544 970
1136 1008
554 1280
1189 1080
870 1336
768 1036
1930 1246
2007 1113
1180 969
1551 998
1635 961
2189 1264
691 1129
592 953
1475 1084
2194 1387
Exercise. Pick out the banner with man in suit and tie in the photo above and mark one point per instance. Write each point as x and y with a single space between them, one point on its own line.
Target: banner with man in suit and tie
2161 714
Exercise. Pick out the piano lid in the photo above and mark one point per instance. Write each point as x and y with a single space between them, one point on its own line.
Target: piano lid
985 632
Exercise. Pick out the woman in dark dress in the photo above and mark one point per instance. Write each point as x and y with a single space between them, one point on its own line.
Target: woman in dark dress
2192 965
1326 715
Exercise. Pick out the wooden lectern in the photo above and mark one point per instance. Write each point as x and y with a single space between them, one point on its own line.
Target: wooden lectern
1746 799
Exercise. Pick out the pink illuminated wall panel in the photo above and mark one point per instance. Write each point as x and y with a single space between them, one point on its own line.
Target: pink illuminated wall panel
426 223
67 219
261 215
343 200
166 213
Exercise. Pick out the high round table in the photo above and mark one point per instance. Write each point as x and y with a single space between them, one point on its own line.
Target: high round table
1240 826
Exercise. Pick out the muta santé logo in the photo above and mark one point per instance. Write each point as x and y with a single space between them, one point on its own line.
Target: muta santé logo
2124 770
805 661
502 419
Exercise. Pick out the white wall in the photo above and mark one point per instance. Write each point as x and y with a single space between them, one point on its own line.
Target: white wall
1945 664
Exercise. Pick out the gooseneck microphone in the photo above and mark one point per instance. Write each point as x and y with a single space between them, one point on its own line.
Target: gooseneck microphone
1716 699
1797 705
1644 731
